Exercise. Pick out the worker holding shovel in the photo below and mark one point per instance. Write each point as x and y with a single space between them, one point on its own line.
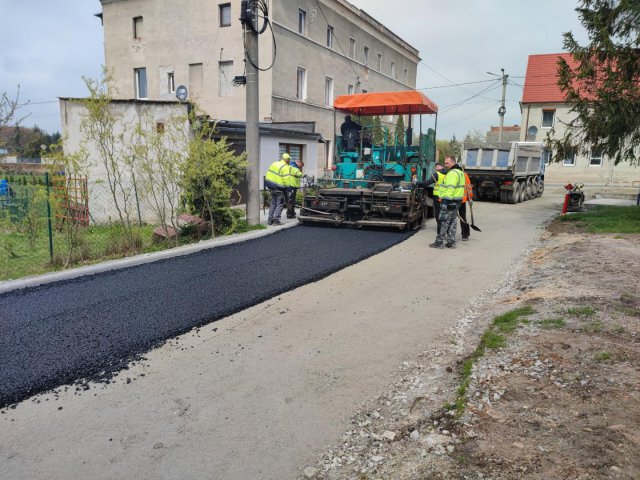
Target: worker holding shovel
465 230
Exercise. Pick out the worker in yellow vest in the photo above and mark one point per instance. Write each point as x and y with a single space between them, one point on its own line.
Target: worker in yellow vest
451 193
295 174
436 180
277 181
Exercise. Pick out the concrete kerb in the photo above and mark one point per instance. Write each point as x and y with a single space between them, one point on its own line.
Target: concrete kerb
36 280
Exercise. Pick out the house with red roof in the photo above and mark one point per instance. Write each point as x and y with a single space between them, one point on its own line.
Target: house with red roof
544 110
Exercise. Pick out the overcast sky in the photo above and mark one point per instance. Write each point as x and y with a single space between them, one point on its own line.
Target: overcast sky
48 46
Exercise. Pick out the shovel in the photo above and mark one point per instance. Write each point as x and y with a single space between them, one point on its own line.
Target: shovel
472 222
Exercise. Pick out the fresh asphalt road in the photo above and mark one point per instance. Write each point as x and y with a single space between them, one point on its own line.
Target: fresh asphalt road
260 394
91 327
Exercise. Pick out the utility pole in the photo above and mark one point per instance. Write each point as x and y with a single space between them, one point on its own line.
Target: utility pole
253 108
502 110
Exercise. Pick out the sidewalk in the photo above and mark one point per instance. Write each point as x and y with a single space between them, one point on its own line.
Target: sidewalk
35 280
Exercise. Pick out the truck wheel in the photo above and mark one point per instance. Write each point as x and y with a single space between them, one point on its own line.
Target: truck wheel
504 196
520 192
540 188
512 196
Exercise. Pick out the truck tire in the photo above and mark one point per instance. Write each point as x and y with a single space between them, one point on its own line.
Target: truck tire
504 196
540 188
520 192
512 195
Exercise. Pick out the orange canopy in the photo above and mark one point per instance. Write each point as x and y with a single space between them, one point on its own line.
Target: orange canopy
385 103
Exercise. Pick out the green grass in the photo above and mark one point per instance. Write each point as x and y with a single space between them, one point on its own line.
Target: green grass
607 219
630 311
580 311
602 356
552 323
507 322
95 244
594 327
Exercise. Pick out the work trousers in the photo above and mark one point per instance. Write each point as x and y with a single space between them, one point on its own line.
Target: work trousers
437 205
291 202
464 225
276 206
448 223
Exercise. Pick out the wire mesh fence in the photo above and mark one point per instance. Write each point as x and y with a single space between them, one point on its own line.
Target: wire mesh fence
55 222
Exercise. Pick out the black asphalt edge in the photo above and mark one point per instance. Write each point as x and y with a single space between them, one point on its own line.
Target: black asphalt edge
104 372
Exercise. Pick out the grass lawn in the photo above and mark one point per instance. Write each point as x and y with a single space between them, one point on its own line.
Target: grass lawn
607 219
96 244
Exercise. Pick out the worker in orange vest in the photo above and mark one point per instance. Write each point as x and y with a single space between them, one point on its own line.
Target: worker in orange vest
467 197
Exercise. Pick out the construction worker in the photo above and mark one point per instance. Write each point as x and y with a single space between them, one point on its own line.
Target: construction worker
277 180
451 193
468 197
436 180
294 184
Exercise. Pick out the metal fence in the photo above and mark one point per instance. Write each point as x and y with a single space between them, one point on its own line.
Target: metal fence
49 223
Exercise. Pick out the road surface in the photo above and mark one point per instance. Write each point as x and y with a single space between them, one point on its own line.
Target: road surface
261 393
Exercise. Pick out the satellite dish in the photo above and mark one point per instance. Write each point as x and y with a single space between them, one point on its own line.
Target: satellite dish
532 131
181 93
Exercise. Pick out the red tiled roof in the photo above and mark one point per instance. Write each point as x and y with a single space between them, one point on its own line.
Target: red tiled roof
541 80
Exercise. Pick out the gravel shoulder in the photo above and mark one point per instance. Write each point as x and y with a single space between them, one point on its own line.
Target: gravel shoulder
559 400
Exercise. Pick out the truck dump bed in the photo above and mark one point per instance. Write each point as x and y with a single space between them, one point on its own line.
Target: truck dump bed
518 158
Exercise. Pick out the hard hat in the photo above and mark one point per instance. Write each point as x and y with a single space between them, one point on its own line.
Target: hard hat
286 156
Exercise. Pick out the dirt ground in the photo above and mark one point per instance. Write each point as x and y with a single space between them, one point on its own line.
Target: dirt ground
559 401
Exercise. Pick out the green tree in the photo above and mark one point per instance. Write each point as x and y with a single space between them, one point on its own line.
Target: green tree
603 87
209 173
399 133
454 147
378 133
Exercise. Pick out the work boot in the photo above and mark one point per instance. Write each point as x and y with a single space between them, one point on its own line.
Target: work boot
269 222
436 245
465 239
276 222
450 245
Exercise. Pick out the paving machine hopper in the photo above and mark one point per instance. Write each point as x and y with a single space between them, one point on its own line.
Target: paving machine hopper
369 183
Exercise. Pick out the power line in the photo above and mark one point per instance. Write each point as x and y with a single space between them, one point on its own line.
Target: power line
457 84
496 84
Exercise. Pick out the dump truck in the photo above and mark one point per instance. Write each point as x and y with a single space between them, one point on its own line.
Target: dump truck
370 184
510 172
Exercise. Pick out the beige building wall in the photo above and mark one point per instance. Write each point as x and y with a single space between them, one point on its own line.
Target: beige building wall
584 168
129 114
184 37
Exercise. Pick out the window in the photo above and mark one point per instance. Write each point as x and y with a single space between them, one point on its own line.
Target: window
379 66
546 156
171 83
302 22
301 84
393 69
366 55
225 79
141 82
292 149
547 118
328 91
569 160
225 14
349 89
160 127
352 47
196 80
137 28
329 36
596 158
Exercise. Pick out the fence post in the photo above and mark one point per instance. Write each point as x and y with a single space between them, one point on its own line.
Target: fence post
46 180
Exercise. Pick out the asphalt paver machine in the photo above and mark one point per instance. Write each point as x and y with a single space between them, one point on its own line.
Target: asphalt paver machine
369 183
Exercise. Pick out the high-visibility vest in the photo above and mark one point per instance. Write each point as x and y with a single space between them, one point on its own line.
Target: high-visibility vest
468 189
436 188
453 186
295 176
278 174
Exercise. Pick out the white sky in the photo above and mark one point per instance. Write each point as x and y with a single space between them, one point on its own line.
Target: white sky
48 46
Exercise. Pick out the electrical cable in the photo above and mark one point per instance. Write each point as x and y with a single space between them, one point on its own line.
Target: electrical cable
262 9
497 84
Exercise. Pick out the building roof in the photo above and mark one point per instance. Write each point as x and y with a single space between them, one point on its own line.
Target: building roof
541 80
